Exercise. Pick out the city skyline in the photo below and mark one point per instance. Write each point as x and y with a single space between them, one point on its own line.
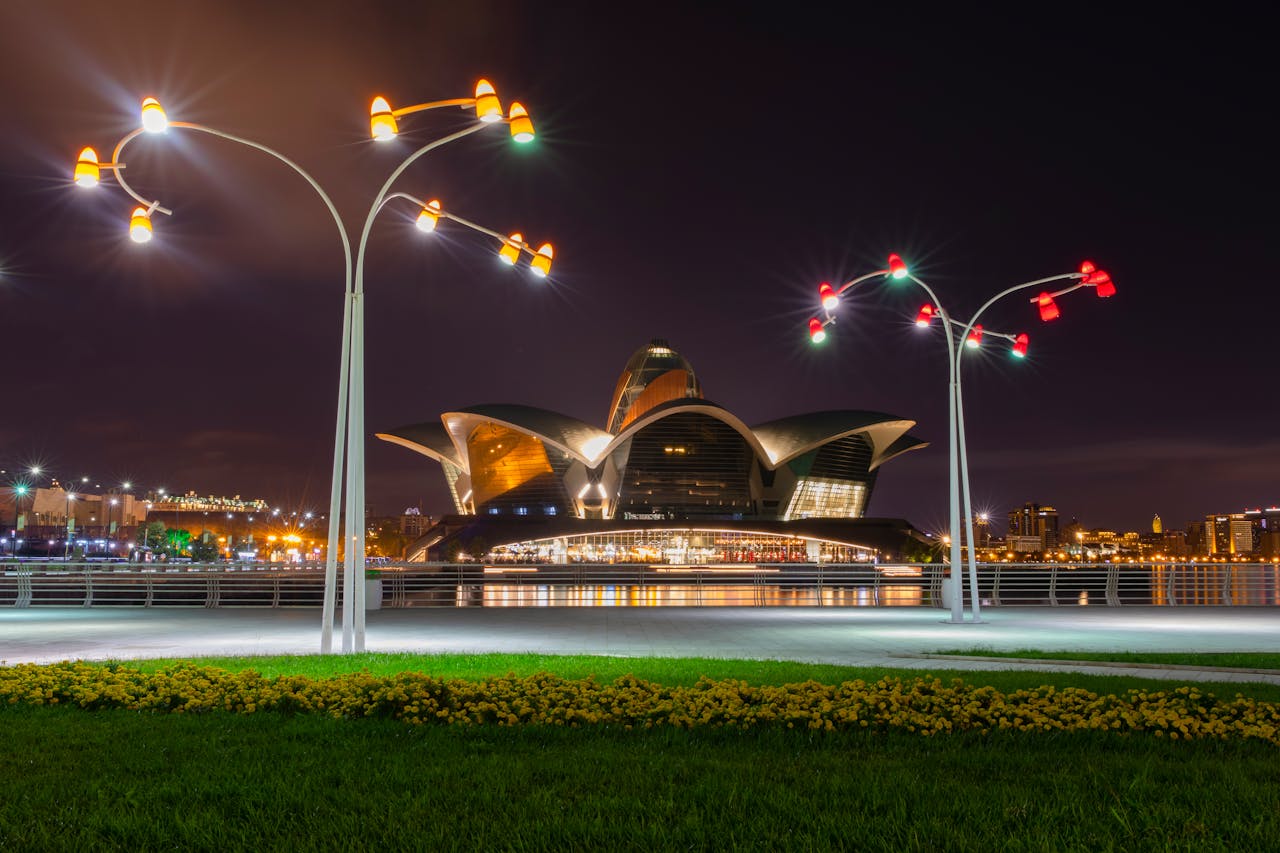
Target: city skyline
699 175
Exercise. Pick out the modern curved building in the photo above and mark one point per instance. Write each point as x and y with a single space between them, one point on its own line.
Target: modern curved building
667 459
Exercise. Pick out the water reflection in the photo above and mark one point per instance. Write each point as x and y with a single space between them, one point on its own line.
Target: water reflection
685 595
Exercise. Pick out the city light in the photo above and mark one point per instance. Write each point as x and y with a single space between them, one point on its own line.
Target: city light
541 263
828 297
488 107
897 267
382 122
521 124
88 173
140 225
510 250
429 216
817 333
153 118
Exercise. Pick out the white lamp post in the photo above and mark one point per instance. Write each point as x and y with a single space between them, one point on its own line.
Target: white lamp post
970 337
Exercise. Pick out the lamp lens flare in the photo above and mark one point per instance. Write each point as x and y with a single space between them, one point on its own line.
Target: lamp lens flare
541 263
88 172
488 107
510 251
897 267
817 334
153 118
521 124
140 225
830 299
429 216
382 122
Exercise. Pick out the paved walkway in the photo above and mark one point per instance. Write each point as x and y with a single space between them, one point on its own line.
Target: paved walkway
854 636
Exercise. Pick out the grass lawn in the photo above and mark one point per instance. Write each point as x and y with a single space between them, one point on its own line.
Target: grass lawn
76 780
677 671
1237 660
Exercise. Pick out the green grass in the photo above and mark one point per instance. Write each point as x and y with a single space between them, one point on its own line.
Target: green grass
1238 660
74 780
678 671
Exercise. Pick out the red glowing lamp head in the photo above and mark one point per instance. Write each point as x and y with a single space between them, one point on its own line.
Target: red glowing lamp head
926 315
975 337
830 299
1102 283
1020 346
1048 308
817 333
1087 267
897 267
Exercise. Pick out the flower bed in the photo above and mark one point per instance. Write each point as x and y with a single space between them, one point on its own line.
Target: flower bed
926 706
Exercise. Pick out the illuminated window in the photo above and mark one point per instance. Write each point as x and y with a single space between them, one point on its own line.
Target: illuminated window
822 498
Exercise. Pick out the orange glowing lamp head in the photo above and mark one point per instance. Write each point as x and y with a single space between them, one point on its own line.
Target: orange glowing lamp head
153 118
817 333
382 121
140 225
521 124
488 107
510 251
429 216
1048 308
541 263
88 171
830 299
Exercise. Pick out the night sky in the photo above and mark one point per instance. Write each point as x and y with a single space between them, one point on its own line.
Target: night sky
699 169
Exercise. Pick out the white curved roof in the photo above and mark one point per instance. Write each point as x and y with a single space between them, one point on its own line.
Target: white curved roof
776 442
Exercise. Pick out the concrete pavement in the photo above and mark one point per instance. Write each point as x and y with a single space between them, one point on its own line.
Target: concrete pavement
852 636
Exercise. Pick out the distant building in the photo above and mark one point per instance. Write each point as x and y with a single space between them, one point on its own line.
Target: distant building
1156 525
1038 521
1228 534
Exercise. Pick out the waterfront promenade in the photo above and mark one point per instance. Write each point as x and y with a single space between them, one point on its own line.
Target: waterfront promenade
897 637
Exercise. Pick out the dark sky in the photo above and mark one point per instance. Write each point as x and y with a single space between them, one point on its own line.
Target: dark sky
700 168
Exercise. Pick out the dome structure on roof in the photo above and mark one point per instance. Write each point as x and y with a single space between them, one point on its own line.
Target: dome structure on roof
655 374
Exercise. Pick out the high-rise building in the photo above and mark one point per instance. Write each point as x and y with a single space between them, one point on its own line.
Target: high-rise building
1036 520
1156 525
1229 534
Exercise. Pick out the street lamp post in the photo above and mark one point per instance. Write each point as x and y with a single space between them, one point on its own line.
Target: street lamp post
350 411
970 337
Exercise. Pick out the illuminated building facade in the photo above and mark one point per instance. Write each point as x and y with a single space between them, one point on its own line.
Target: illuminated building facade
668 458
1034 520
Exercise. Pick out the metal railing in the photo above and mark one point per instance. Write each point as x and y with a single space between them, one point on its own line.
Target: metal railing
27 584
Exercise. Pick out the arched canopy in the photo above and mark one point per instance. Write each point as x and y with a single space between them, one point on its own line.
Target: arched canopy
787 438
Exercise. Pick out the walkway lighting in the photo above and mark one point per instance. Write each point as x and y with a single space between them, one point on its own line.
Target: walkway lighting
1020 346
897 267
521 124
488 107
140 225
153 118
429 216
817 333
510 251
541 263
828 297
1098 279
1048 308
88 172
382 122
926 315
975 337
